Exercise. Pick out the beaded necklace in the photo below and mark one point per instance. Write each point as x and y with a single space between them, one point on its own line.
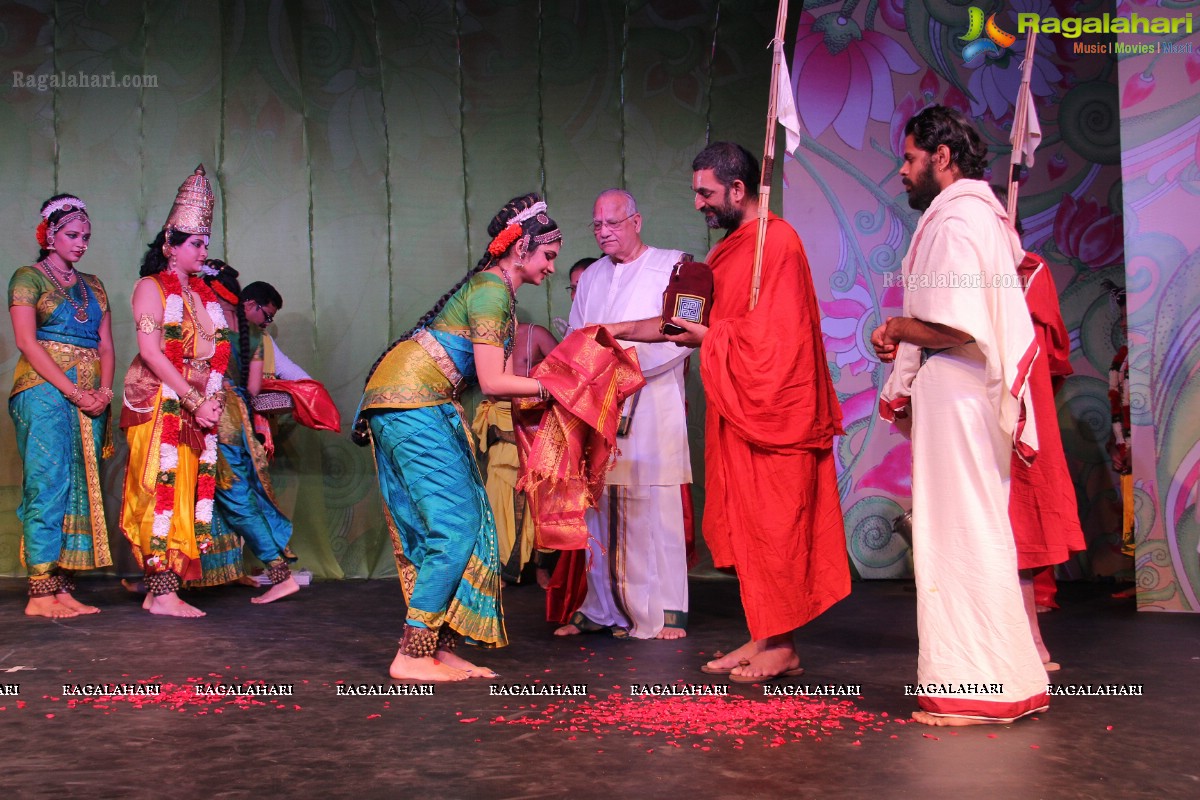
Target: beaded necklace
510 327
51 272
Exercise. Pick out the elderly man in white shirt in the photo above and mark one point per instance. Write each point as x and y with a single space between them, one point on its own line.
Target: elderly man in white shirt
637 578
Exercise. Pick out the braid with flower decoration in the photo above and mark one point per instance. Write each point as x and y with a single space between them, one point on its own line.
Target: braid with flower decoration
522 217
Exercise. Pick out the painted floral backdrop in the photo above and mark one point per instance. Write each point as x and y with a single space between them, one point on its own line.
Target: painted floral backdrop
358 150
1160 131
860 71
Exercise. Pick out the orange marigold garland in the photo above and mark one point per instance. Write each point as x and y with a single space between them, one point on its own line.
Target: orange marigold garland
164 490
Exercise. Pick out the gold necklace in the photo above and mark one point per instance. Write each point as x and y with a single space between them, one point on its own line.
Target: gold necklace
186 292
81 314
510 327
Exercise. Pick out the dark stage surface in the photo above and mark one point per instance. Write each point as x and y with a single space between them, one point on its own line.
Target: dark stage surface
463 743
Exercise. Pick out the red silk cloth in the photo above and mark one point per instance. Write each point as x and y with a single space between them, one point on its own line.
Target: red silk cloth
568 587
772 509
566 446
314 408
1041 502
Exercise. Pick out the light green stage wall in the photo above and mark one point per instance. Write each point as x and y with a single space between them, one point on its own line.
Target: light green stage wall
358 150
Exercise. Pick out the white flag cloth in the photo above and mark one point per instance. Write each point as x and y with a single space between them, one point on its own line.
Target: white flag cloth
785 103
1033 131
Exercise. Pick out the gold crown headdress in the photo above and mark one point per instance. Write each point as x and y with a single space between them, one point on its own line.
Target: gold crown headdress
193 209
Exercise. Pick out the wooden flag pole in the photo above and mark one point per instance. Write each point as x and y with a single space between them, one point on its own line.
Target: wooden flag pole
768 161
1020 124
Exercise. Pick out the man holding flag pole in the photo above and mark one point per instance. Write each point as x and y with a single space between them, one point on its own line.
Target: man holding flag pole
772 509
962 353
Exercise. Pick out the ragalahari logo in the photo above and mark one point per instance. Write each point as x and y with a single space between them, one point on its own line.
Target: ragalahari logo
985 39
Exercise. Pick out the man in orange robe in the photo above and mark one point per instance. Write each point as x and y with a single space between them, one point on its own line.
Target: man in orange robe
772 509
1042 504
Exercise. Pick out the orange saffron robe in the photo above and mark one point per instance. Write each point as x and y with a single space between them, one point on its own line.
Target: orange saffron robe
1041 503
772 510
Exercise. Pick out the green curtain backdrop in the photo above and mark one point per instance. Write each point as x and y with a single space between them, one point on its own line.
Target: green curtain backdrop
358 150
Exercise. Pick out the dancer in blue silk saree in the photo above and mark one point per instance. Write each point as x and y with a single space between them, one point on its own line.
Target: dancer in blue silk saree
442 528
59 403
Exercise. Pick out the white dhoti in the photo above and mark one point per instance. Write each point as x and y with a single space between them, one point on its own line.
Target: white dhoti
977 657
637 578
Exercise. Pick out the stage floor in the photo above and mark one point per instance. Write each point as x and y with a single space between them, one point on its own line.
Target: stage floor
463 741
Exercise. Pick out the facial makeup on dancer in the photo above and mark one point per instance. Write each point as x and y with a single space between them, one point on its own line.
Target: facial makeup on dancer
540 264
71 241
189 256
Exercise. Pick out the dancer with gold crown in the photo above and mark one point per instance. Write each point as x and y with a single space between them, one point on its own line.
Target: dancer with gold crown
435 505
173 399
61 391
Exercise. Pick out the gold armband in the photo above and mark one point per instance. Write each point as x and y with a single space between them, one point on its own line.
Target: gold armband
146 324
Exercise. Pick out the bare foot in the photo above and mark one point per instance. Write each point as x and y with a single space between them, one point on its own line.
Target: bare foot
70 602
925 718
48 607
134 587
277 592
169 605
769 663
568 630
671 633
424 670
543 578
723 663
458 662
246 580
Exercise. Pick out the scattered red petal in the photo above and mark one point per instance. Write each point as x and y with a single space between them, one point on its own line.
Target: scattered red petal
469 719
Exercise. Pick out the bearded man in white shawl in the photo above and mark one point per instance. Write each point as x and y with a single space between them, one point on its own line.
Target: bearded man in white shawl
961 354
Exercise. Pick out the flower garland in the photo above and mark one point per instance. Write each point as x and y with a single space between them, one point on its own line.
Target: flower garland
504 239
206 482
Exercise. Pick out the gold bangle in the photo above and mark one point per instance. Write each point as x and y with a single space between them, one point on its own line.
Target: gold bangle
191 401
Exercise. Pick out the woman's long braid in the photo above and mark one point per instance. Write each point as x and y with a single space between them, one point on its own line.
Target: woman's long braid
361 434
429 315
243 345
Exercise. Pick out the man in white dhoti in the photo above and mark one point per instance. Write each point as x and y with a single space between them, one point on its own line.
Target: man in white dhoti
637 575
962 352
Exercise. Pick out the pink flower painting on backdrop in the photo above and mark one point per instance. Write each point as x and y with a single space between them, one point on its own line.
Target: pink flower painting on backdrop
843 320
1089 236
842 76
994 84
893 473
